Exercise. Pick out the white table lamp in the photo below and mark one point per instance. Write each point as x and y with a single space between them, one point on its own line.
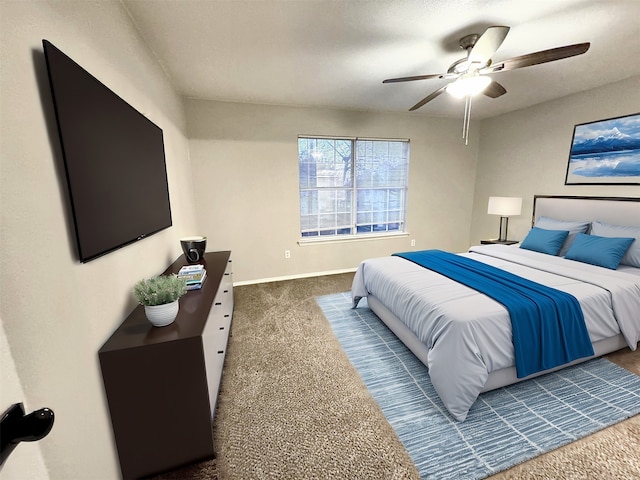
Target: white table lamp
505 207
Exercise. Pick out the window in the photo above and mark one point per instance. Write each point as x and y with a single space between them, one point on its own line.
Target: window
352 187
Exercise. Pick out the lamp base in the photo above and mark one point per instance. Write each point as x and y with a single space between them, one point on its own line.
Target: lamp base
504 224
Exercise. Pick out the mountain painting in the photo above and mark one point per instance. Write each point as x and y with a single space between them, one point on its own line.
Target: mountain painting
605 152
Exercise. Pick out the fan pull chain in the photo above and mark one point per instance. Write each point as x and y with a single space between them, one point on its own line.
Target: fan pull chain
467 119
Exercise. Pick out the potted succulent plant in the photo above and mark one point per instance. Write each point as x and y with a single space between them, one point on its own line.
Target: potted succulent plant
159 295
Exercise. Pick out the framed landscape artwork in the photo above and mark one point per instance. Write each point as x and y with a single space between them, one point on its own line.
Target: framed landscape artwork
605 152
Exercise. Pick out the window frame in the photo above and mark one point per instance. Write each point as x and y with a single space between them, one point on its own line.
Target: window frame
355 235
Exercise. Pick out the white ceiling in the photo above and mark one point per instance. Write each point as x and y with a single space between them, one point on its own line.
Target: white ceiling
335 53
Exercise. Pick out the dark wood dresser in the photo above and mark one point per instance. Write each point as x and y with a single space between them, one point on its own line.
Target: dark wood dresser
162 383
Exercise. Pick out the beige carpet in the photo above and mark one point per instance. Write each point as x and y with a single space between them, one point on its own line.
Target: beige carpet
291 405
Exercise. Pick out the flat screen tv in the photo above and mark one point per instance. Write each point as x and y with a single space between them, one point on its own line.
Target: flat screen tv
114 161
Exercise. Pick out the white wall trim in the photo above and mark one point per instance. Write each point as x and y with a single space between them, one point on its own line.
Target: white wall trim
293 277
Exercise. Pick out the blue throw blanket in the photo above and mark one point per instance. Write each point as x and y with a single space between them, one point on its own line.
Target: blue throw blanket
548 325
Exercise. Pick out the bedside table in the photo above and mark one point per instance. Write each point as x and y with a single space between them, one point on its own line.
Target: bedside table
498 242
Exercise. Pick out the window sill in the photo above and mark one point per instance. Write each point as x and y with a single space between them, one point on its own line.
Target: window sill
351 238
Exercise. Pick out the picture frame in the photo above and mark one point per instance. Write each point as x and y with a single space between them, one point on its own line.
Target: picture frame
605 152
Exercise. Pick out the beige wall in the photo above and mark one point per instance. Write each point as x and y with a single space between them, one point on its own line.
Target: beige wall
525 153
245 163
55 312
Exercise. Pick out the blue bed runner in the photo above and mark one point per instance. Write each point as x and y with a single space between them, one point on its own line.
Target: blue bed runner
548 325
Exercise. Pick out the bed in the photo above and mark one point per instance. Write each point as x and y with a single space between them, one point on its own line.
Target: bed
465 338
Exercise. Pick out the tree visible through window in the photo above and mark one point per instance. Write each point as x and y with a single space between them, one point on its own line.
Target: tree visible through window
352 186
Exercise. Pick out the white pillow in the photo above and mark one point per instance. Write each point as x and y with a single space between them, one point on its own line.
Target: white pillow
573 227
632 257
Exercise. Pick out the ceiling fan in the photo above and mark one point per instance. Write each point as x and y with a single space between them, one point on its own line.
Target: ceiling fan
469 75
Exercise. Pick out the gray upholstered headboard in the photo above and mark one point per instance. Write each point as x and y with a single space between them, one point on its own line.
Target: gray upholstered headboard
612 210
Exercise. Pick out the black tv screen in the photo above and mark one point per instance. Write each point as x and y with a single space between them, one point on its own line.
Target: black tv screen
114 161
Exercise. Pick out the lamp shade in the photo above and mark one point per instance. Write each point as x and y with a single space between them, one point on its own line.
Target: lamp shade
504 206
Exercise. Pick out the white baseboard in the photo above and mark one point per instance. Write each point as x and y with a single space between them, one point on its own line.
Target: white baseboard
293 277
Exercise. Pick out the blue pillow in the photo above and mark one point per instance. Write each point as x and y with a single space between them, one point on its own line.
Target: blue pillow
544 241
632 257
572 226
601 251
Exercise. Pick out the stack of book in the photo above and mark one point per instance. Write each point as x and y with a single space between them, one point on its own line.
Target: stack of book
195 275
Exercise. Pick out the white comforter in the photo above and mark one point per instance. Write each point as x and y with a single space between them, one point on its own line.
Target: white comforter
468 334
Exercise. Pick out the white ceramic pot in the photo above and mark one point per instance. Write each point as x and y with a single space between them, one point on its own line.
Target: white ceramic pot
161 315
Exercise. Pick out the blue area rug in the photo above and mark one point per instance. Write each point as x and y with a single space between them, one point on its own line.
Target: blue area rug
504 427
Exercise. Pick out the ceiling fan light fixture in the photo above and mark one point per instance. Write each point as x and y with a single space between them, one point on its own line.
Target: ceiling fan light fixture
468 86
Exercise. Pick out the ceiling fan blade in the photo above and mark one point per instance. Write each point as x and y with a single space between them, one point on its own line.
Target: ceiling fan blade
494 90
488 44
417 77
428 98
537 58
